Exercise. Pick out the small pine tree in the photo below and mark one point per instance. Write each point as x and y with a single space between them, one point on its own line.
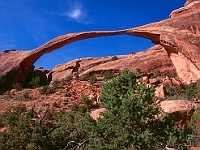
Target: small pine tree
131 119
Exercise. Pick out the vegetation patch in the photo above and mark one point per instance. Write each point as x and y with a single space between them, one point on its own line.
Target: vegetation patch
190 92
113 58
132 120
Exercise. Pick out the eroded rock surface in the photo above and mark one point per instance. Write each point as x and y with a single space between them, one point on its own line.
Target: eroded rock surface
179 35
152 60
182 110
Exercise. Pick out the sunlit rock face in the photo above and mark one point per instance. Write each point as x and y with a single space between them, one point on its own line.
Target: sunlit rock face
179 37
191 6
154 60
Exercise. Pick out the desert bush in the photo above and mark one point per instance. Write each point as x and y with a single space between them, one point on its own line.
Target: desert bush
88 77
107 74
85 101
190 92
132 52
132 119
35 82
17 86
156 73
63 81
27 96
198 89
24 96
114 58
84 105
43 90
55 83
193 129
195 116
75 107
93 79
54 86
84 77
174 92
28 131
69 78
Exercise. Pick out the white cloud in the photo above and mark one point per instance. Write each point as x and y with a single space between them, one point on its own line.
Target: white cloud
77 13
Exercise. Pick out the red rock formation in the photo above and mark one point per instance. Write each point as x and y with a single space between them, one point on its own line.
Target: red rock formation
190 1
151 60
179 35
190 6
181 109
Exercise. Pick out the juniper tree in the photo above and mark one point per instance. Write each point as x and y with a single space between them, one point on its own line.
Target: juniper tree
131 120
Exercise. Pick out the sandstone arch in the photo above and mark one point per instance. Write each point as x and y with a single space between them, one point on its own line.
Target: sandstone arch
179 35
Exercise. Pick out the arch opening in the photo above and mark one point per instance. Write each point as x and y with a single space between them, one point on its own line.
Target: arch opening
95 47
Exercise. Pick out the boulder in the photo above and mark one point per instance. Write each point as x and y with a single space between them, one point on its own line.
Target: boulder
182 110
95 114
160 92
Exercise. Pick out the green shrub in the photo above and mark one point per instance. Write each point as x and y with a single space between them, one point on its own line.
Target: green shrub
198 89
92 79
69 78
190 92
63 81
85 101
132 52
84 77
53 131
54 86
84 105
75 107
192 136
55 83
131 119
195 116
17 87
114 58
35 82
26 95
107 74
175 92
43 90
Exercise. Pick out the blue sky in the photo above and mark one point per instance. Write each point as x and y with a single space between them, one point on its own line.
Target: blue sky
27 24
